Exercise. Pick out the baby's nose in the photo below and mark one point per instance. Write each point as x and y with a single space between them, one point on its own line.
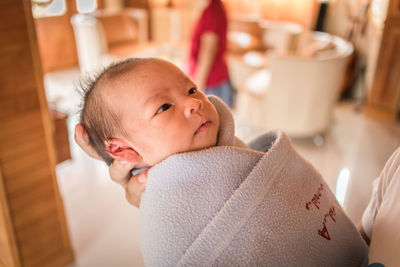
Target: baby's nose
192 105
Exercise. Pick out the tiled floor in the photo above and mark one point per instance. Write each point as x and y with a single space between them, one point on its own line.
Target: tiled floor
104 227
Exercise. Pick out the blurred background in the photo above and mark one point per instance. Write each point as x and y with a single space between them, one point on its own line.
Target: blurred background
325 72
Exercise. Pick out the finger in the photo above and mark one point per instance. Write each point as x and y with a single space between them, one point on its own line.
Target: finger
142 179
135 188
82 139
137 184
120 172
133 199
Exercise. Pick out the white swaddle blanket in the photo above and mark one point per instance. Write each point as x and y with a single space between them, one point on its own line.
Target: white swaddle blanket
233 206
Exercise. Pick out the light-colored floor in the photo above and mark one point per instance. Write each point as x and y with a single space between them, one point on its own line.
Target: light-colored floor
104 227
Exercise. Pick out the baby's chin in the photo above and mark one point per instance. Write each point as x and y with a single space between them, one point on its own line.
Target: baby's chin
198 147
205 145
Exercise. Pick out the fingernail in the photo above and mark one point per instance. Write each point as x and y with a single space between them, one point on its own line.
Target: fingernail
123 162
142 178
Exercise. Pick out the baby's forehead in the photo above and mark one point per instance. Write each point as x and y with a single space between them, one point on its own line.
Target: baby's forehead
144 77
130 68
156 71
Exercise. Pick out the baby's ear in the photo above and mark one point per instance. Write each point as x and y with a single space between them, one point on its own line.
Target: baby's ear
121 151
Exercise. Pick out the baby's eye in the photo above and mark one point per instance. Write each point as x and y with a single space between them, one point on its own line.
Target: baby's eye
192 91
163 108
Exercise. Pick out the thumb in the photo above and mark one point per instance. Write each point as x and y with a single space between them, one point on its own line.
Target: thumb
135 188
120 171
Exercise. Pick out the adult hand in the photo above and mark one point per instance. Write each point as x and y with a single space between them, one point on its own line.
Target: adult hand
119 171
133 185
82 139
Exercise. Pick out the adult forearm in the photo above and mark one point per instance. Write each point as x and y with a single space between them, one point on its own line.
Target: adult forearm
206 57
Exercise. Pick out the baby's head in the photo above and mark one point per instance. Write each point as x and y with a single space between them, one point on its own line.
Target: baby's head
144 110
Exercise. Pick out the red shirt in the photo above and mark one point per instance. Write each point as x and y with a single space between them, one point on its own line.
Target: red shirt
213 19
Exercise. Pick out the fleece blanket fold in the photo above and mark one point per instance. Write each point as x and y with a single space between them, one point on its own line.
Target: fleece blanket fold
233 206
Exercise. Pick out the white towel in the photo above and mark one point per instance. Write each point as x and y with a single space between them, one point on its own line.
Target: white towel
233 206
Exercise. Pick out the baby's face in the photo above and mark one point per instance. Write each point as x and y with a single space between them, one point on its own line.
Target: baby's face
162 111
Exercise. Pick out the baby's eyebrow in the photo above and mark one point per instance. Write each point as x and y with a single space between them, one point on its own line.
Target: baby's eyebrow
186 80
151 98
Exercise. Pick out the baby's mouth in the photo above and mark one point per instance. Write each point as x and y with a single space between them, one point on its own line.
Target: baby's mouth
204 126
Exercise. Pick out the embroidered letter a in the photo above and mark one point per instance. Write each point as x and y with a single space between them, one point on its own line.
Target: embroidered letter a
324 233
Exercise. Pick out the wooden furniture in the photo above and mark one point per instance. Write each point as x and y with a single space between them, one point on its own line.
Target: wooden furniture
127 27
33 229
60 135
384 95
107 32
56 40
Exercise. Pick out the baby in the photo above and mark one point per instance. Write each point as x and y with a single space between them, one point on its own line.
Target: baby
147 109
210 199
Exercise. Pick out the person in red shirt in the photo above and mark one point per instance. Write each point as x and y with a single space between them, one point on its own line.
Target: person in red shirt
207 65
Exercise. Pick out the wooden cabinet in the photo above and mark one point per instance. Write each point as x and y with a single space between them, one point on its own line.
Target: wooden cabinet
383 96
33 230
394 9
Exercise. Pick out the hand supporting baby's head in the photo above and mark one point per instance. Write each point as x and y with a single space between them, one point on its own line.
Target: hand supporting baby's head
144 110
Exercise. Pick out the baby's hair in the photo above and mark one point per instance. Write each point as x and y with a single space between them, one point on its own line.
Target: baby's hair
100 121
